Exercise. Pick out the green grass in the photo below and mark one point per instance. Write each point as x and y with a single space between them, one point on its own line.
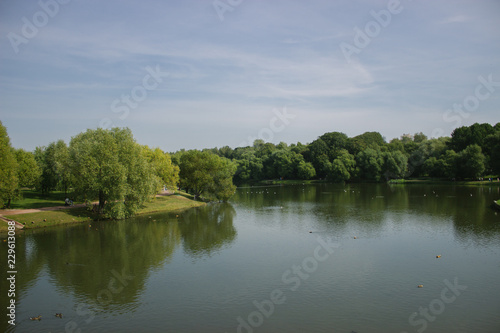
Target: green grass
172 203
44 219
32 199
54 217
494 181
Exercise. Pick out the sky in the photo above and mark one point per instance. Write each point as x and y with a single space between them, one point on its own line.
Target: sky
202 74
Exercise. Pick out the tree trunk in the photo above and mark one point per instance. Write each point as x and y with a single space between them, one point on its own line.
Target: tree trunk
101 201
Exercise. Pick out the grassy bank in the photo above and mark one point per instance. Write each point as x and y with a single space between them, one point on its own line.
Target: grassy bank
493 182
32 199
44 219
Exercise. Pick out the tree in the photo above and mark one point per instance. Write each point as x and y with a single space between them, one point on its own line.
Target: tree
343 166
335 141
61 165
28 172
8 169
108 165
471 162
359 143
305 170
394 164
249 167
283 164
161 164
45 159
207 173
369 164
465 136
419 137
317 154
493 142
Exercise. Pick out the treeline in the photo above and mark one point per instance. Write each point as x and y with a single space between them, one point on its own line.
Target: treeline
470 152
110 167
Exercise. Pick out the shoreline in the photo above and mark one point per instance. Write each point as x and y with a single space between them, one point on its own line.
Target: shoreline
55 216
493 182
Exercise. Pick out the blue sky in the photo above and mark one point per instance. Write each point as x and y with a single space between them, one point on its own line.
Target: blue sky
183 74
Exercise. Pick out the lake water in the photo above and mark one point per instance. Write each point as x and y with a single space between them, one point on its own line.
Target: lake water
313 258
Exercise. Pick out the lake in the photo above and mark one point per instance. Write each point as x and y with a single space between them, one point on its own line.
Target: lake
296 258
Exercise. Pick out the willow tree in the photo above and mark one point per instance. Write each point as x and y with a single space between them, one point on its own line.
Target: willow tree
208 174
109 166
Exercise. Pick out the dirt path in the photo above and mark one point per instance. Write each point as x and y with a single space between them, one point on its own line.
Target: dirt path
36 210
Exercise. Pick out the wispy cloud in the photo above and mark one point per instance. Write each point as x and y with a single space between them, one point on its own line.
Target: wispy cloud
228 75
456 19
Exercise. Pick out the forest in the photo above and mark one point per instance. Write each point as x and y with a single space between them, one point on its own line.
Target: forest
109 166
470 153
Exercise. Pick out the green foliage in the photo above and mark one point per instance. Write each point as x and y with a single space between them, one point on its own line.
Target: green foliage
208 174
493 144
471 162
164 170
45 158
394 165
369 163
366 140
343 166
108 165
249 166
28 171
305 170
464 136
8 169
61 165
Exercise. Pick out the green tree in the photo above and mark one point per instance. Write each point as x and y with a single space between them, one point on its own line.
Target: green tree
366 140
249 167
493 142
343 166
45 159
28 172
108 165
208 174
161 164
305 170
283 164
61 165
369 164
471 162
394 164
8 169
419 137
464 136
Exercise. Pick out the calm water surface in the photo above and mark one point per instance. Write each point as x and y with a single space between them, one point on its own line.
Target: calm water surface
314 258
